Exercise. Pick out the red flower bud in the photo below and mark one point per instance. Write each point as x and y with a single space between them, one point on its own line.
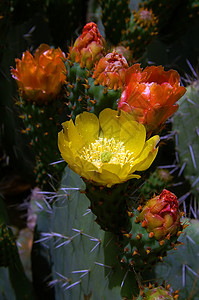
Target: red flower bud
110 70
89 47
161 215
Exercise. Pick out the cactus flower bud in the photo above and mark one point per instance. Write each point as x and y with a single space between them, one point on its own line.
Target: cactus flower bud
150 95
40 77
161 216
110 70
126 52
157 293
89 47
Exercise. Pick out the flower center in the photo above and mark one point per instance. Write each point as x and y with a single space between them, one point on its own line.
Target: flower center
105 150
106 156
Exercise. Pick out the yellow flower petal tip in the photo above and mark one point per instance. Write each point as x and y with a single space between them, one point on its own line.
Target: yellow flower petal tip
108 150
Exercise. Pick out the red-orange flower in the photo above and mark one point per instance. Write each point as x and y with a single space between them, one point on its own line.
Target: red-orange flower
89 47
40 77
151 94
110 70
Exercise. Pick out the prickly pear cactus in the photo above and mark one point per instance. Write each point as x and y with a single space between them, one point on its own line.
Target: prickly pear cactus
84 258
187 133
81 252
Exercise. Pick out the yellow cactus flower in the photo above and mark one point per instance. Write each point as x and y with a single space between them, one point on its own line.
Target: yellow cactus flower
108 150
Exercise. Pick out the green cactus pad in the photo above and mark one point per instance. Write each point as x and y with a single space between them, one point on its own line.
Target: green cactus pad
84 95
85 258
186 127
110 207
140 251
181 266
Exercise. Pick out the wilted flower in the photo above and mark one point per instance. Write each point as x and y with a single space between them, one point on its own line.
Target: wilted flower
89 47
110 71
150 95
40 77
107 150
161 216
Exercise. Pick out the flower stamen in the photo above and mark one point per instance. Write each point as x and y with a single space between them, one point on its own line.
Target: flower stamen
105 150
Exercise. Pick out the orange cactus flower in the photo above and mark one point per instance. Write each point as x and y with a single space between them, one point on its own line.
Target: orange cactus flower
110 70
161 215
151 94
40 77
89 47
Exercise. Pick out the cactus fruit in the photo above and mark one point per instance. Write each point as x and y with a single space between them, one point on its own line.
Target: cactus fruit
40 80
186 140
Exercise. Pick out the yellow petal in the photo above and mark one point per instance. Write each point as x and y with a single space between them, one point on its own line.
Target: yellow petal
111 122
122 171
64 148
72 135
122 127
108 178
87 125
115 173
133 134
147 156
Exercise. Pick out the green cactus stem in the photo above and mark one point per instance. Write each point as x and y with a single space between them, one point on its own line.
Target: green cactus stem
41 125
111 18
140 30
